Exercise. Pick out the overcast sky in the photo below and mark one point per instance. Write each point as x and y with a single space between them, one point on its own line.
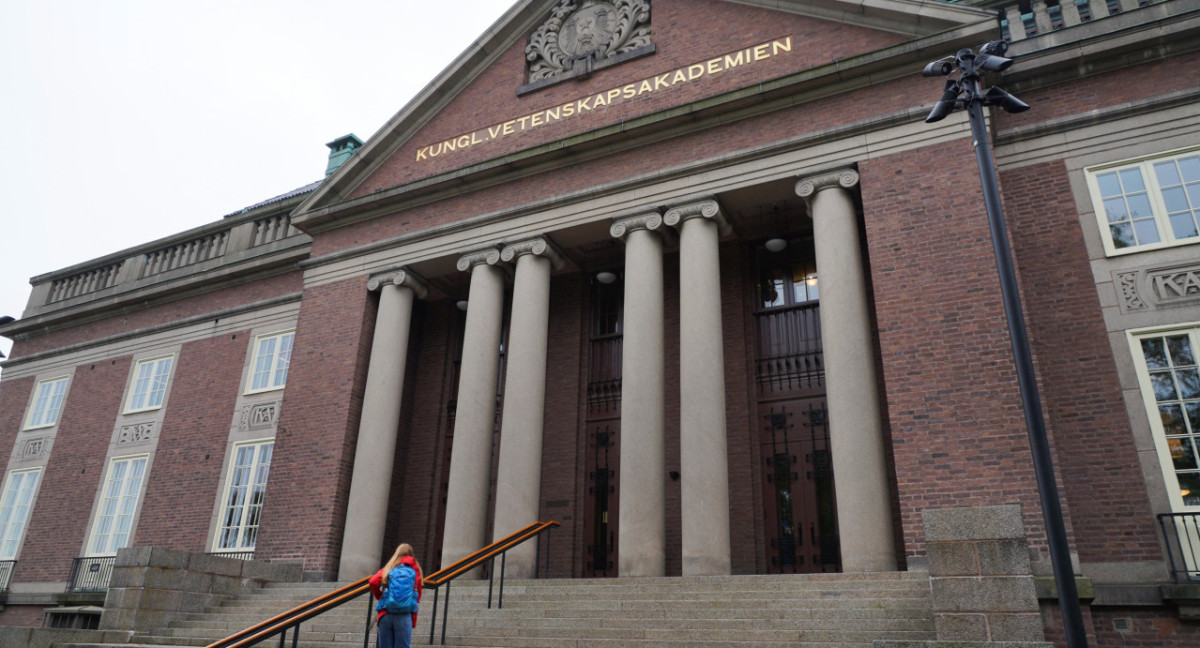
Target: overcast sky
129 120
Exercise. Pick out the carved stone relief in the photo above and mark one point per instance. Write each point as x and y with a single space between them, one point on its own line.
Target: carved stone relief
37 448
259 416
1155 288
136 433
584 35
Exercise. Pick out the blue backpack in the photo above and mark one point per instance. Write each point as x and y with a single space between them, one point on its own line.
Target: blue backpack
400 595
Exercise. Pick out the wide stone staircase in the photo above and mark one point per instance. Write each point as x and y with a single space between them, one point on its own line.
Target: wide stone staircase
797 611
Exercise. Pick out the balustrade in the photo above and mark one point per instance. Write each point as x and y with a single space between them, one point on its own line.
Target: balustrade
1028 18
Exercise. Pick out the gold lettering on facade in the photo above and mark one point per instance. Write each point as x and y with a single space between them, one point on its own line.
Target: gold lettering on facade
670 79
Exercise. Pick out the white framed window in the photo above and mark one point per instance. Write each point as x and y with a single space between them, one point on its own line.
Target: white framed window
245 488
269 365
15 503
1147 204
149 384
47 403
1170 381
122 488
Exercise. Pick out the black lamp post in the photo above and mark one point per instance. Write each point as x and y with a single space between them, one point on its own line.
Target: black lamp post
964 92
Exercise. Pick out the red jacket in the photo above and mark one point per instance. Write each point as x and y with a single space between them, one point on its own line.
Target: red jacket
376 583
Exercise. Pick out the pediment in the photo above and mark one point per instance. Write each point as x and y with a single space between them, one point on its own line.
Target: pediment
494 104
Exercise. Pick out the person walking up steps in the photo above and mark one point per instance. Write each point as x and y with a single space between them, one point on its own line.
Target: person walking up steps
398 588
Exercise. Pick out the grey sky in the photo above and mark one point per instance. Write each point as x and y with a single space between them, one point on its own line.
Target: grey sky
125 121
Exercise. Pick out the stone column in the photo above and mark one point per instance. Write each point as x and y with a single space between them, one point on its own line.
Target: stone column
475 417
519 474
704 478
855 421
642 546
366 511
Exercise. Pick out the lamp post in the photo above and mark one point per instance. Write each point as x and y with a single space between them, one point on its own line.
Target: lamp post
964 92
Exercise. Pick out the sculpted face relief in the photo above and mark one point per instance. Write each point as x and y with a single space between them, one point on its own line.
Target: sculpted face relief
679 76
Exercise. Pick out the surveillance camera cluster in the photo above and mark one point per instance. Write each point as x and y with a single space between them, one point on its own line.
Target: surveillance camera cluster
964 90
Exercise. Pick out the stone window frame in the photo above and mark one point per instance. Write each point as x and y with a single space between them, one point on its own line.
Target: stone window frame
35 399
223 503
134 376
255 355
7 538
90 549
1162 444
1145 165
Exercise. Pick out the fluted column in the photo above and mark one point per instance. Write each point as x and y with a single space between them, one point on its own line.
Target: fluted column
642 545
855 420
370 482
519 474
704 479
475 416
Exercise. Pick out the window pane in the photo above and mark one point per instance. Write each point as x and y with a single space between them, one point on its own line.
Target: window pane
1109 185
1183 454
1193 192
1164 386
1181 350
1131 180
1147 232
1189 383
1139 206
1171 416
1166 173
1115 209
1155 352
1190 168
1122 236
1183 225
282 361
1193 414
1175 199
1189 488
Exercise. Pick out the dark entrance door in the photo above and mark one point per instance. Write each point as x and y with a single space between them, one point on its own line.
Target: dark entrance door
798 487
600 520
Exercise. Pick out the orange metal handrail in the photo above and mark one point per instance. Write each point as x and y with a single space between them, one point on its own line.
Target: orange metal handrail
281 622
265 629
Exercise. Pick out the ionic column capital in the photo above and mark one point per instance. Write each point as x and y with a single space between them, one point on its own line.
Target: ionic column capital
540 246
485 256
808 187
706 208
399 277
649 221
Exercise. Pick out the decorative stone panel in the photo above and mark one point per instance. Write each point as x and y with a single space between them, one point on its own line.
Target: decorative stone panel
582 36
259 416
1157 288
35 448
136 433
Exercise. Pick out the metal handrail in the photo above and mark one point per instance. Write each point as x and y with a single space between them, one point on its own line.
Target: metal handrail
291 620
487 554
281 623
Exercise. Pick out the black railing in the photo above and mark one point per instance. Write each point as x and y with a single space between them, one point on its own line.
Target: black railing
89 575
1182 533
788 353
236 555
6 570
487 555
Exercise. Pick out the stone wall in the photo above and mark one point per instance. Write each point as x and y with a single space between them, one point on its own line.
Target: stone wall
151 586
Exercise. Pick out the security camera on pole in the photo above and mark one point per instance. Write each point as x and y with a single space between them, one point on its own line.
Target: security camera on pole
964 92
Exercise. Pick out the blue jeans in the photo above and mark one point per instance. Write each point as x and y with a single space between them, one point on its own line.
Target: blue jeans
395 631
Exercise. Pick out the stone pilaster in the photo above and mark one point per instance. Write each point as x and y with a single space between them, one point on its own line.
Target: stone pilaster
855 419
704 478
519 474
366 511
642 514
475 416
